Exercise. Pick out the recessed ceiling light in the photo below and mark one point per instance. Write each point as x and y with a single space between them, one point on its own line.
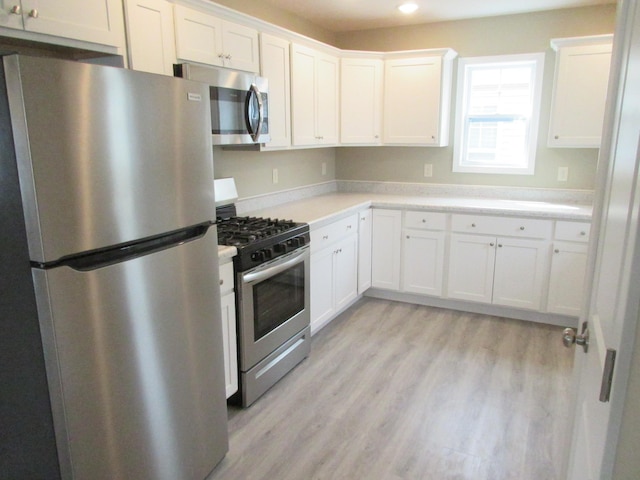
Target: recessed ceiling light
408 8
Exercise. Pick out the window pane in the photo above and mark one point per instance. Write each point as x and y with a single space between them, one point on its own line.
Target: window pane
498 109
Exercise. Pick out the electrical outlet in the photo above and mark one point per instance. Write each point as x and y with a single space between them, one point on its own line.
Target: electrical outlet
275 175
428 170
563 174
324 168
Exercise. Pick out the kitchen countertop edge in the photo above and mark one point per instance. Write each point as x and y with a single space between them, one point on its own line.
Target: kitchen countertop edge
323 209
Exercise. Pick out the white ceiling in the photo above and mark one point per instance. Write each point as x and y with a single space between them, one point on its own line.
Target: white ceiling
349 15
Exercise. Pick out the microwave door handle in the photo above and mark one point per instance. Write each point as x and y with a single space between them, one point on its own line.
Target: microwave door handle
255 135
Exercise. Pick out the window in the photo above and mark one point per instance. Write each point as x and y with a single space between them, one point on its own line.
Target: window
497 114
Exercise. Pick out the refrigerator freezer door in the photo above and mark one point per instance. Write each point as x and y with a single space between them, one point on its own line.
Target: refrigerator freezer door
123 155
134 362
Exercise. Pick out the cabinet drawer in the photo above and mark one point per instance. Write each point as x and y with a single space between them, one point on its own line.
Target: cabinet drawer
573 231
328 234
425 220
226 278
506 226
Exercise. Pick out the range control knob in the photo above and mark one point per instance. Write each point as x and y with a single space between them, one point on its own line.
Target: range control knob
281 247
258 256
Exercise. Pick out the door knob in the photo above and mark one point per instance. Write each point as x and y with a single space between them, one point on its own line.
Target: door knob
570 336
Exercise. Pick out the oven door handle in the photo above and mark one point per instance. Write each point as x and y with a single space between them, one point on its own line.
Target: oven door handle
253 277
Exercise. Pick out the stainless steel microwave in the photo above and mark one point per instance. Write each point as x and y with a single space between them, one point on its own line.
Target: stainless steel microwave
239 103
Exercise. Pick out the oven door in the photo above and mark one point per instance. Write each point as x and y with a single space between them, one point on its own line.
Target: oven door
273 304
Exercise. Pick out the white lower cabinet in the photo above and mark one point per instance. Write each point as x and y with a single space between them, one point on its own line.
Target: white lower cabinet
568 268
501 270
423 252
229 340
334 270
385 249
364 250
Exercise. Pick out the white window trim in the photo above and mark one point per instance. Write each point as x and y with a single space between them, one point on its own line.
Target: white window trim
535 114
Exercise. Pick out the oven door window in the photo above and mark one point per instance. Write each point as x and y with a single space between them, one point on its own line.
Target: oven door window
277 299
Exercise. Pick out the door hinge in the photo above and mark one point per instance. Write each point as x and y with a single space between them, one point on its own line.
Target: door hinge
607 375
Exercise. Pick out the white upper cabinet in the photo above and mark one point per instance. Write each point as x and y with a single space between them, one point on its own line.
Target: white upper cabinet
361 101
417 97
96 21
204 38
151 38
314 97
580 90
275 66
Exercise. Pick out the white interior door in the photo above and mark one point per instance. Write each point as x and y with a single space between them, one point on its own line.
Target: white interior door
613 305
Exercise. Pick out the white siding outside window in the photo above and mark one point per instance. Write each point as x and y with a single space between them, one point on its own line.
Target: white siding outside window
497 114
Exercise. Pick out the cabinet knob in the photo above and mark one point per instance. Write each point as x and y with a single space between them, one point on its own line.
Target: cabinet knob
221 281
16 10
492 244
473 225
221 55
521 228
325 237
228 56
348 227
33 13
424 220
557 251
556 137
500 245
583 234
408 236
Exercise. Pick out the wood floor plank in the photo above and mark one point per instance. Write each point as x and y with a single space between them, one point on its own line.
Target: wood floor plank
402 392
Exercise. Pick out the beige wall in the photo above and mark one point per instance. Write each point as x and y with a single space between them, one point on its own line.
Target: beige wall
253 171
477 37
264 11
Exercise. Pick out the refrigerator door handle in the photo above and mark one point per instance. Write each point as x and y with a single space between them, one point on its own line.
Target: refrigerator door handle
88 261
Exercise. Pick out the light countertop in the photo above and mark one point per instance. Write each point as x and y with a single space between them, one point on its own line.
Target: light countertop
225 252
320 210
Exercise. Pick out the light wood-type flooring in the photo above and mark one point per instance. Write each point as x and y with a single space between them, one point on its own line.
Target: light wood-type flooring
397 391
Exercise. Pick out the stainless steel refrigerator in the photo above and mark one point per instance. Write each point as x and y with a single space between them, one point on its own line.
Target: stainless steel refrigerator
112 363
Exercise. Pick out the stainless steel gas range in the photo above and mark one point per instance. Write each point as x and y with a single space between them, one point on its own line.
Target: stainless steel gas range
272 297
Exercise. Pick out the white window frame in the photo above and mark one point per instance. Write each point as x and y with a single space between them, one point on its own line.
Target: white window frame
462 102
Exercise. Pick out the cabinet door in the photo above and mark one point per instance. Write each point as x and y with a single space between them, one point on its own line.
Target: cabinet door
412 93
471 264
423 262
566 280
303 88
519 272
151 36
240 47
322 303
198 36
327 100
274 58
385 249
579 95
364 250
361 101
229 343
9 19
346 272
97 21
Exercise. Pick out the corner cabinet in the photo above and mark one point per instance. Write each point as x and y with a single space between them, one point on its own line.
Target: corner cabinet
361 101
417 98
314 97
151 45
385 249
95 21
579 91
204 38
